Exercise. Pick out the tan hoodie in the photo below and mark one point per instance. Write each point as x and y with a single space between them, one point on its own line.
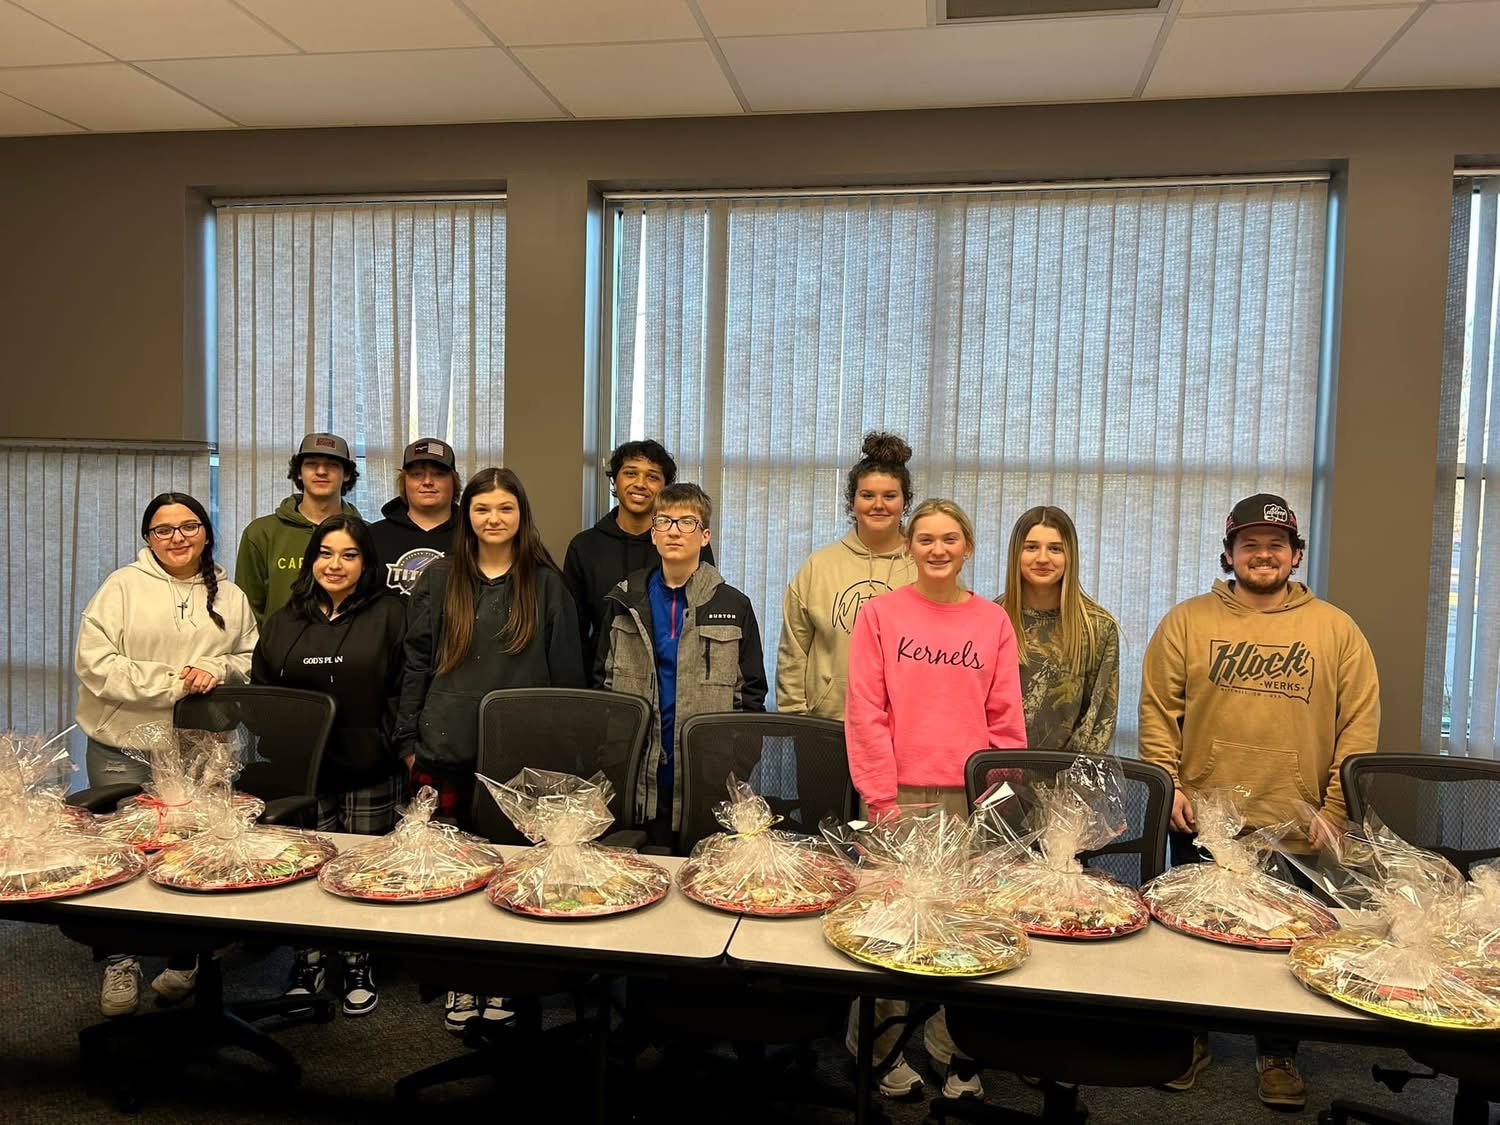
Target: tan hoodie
817 618
1271 700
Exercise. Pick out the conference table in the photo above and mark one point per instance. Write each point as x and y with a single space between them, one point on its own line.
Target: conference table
1157 976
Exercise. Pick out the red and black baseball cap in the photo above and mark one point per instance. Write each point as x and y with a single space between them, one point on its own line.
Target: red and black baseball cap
1261 510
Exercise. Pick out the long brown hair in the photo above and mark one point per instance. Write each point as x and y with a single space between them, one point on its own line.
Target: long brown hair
528 556
1077 636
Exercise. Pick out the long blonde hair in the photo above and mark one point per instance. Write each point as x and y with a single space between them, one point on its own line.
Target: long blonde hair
937 506
1077 635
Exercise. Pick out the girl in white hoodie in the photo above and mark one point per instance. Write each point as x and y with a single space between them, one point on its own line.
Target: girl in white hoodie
170 624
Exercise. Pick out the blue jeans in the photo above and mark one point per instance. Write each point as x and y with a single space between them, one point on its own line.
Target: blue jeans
110 766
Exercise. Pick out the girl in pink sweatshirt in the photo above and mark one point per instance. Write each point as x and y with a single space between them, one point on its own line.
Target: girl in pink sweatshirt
933 675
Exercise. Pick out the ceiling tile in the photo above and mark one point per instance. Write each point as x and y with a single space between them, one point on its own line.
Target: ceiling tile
798 17
980 64
1229 7
370 25
161 29
390 88
26 40
633 80
529 22
110 98
1270 54
17 119
1449 45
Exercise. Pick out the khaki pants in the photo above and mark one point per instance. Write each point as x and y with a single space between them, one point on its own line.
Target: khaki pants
935 1035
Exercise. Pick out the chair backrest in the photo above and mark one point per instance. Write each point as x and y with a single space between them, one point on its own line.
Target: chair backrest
1447 805
570 730
1139 854
798 763
286 731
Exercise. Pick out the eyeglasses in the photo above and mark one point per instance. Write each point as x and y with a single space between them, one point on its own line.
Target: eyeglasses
163 533
685 524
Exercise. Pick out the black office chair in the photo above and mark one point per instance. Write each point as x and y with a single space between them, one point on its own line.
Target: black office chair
568 730
1062 1052
1450 806
286 731
800 766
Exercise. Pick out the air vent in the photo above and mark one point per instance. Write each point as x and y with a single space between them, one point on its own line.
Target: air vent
959 11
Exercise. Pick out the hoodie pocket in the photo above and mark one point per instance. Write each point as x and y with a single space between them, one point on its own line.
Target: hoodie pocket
449 729
1273 777
721 654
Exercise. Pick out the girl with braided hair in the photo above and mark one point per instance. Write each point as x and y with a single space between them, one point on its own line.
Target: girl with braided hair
170 624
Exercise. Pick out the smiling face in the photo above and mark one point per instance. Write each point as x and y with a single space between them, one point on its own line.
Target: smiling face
1044 557
182 548
939 547
495 517
637 483
878 504
322 477
338 565
428 487
1263 559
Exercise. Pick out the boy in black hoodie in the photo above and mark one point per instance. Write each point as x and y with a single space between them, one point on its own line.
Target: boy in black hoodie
620 543
418 524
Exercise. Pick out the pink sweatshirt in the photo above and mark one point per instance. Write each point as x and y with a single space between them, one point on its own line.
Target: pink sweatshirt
929 684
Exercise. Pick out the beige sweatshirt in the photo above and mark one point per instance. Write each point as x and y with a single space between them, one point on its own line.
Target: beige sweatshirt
817 618
1272 700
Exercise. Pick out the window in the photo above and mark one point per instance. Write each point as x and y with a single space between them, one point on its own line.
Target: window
1463 647
379 320
1139 355
74 517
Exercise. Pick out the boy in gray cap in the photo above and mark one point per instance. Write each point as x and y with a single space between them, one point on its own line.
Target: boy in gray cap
418 523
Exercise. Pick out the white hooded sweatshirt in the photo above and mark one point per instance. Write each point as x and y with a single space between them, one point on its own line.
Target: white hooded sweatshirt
141 628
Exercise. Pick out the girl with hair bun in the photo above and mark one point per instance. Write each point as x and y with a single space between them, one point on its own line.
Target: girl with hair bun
1068 644
170 624
824 599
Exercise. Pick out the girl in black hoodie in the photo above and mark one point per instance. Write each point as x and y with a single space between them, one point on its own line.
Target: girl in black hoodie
338 634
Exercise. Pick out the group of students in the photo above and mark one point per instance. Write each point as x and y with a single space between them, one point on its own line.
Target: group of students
410 621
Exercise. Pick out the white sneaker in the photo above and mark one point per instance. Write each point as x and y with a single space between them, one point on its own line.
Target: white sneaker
175 985
121 991
495 1010
956 1087
360 995
458 1009
901 1081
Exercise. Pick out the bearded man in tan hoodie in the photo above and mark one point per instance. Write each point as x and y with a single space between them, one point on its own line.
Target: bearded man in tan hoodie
1259 684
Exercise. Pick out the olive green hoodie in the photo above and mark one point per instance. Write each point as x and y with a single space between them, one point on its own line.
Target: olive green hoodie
1271 700
271 553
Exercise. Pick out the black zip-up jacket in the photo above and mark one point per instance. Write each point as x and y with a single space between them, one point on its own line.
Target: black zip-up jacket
598 558
356 658
404 548
438 717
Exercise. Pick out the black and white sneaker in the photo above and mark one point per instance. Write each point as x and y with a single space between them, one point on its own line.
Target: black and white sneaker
308 976
360 996
494 1010
459 1010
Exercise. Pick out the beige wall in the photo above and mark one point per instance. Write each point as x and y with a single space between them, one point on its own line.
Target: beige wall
101 296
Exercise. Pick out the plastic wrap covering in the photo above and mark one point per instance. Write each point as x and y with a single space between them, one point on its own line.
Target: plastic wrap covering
1036 874
47 849
922 905
1404 955
1235 898
1479 918
419 860
192 771
233 853
755 868
568 874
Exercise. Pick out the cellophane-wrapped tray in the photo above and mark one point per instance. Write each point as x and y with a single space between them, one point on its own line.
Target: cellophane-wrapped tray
568 874
1407 954
420 860
756 868
47 848
191 773
1035 871
922 905
1235 899
235 854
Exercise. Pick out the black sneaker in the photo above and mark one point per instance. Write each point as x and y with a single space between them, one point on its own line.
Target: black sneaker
308 976
360 996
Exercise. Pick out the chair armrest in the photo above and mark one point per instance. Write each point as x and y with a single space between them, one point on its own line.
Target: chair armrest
632 838
103 798
656 849
292 811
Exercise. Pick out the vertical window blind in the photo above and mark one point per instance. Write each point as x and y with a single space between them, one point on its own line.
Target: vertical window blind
380 321
1141 356
1462 679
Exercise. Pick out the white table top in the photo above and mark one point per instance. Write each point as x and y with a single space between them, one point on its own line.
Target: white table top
674 928
1157 968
